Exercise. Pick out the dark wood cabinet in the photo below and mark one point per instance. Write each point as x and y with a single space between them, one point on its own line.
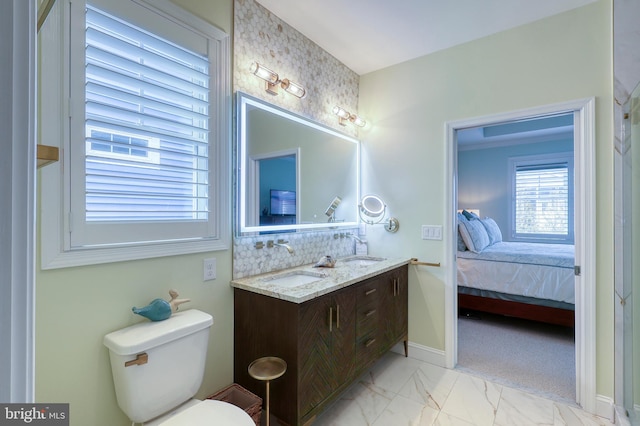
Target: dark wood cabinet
327 342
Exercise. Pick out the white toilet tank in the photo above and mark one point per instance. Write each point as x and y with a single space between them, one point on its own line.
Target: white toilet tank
169 374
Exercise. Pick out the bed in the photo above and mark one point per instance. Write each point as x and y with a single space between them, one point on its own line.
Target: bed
524 280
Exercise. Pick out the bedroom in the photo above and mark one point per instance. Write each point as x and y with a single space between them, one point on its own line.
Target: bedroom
517 177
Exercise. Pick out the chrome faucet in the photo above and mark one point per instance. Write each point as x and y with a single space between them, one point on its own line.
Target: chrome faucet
280 243
355 237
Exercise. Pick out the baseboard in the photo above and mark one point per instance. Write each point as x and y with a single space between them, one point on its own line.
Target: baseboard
605 407
423 353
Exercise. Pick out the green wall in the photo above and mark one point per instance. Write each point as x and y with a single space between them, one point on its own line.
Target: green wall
76 307
562 58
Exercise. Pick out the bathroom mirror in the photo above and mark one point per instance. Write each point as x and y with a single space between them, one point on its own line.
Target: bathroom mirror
290 169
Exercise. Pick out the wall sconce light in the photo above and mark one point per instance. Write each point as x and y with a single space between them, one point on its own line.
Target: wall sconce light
372 211
273 81
344 116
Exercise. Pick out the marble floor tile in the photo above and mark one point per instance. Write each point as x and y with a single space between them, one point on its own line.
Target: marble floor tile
404 391
430 385
361 404
565 415
473 400
392 372
517 408
404 411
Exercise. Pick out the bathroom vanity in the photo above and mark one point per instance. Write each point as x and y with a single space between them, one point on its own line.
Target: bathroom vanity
329 325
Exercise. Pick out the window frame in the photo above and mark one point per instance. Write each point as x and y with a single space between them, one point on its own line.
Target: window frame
538 160
55 85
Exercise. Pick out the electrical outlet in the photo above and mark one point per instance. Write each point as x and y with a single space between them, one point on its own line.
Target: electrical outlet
209 269
431 232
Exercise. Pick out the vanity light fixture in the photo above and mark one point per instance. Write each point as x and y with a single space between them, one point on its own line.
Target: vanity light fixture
273 81
344 116
372 210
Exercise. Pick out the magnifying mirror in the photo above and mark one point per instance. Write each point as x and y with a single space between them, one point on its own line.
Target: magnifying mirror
372 210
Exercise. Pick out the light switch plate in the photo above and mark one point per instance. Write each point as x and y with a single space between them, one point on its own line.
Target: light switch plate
432 232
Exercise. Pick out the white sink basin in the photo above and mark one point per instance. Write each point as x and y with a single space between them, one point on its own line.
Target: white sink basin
362 260
295 278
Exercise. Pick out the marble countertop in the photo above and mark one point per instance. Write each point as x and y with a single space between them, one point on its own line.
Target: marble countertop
343 274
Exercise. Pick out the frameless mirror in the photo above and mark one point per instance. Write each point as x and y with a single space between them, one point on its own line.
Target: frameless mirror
290 169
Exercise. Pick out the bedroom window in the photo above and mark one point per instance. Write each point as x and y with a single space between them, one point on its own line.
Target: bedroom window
542 198
146 157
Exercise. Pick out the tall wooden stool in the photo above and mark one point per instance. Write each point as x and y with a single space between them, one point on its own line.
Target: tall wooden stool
266 369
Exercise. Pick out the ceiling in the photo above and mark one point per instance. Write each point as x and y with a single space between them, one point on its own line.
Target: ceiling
537 129
368 35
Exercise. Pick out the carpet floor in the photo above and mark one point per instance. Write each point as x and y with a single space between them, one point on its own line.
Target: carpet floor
536 357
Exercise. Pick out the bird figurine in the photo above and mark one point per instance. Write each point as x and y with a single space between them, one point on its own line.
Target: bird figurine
175 302
160 309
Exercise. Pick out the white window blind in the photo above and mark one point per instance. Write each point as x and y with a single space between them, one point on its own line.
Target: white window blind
542 199
542 194
147 126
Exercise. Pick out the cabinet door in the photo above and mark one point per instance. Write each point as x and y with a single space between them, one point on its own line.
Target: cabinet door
327 347
394 306
316 372
343 336
401 304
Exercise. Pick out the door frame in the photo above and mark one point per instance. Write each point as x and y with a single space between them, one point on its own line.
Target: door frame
584 227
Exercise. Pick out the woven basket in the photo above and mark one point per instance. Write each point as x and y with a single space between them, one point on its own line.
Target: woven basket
240 397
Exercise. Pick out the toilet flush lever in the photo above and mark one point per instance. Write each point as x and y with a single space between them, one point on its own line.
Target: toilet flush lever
142 358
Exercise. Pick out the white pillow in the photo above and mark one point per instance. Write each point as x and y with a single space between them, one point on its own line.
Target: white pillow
461 245
493 230
474 235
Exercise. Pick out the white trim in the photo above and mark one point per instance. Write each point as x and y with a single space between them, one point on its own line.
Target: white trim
605 408
17 185
422 353
55 246
585 236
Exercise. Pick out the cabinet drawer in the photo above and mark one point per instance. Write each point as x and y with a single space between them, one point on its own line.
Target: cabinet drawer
367 349
367 319
368 293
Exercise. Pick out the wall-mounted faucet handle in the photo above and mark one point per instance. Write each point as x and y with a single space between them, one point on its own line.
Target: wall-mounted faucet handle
280 243
259 245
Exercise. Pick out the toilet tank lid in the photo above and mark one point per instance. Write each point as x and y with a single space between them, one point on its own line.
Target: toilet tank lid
149 334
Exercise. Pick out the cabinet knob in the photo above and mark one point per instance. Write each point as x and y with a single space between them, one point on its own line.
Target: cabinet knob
368 292
370 342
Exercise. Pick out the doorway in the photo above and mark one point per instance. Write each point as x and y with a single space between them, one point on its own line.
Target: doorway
584 226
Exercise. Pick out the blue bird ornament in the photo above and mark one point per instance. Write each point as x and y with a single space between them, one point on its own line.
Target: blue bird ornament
160 309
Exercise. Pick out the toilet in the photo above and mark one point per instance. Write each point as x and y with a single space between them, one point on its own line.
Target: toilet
157 369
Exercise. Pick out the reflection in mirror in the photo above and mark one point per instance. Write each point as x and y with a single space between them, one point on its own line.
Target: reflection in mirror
290 169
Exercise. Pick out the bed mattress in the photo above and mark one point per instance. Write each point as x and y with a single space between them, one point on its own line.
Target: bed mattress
541 271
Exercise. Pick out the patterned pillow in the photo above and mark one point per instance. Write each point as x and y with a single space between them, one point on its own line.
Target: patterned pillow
474 235
493 230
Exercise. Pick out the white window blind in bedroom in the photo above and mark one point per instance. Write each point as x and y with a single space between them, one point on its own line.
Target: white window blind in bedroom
542 199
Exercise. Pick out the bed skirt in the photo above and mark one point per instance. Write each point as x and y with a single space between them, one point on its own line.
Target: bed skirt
543 310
